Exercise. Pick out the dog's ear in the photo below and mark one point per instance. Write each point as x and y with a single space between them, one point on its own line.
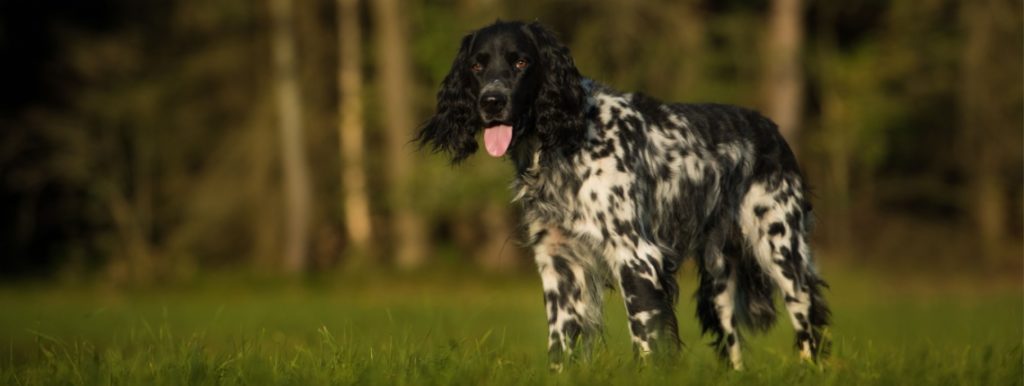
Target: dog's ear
454 124
561 100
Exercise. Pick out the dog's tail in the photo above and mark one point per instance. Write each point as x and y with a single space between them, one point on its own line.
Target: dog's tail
755 306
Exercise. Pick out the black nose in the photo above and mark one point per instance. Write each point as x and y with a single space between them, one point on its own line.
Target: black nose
493 103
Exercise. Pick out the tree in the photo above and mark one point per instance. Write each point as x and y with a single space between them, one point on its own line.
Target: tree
293 157
783 74
395 82
351 126
990 114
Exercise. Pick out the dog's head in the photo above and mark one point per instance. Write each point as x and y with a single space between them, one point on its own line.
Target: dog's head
513 81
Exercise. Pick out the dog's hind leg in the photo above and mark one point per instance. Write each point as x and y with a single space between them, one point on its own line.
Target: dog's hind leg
572 293
775 221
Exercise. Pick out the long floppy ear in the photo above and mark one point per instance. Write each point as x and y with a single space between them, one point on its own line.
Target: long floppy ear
454 124
560 102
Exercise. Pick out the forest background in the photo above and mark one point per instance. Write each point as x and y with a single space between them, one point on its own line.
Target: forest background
148 142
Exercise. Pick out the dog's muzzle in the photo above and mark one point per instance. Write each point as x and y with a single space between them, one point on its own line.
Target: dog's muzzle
494 101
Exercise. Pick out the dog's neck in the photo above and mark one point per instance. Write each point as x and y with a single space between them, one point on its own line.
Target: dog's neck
529 154
526 154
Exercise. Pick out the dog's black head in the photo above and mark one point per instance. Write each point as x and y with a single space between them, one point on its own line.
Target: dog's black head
516 82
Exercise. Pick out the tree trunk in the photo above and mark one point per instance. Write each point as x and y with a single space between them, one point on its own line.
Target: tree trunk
350 127
693 32
980 118
136 264
293 156
783 76
838 181
836 173
395 88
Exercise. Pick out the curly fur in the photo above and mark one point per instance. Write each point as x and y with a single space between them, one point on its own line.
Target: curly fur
560 101
618 188
453 127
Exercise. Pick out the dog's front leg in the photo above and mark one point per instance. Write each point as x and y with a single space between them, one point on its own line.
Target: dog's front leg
572 293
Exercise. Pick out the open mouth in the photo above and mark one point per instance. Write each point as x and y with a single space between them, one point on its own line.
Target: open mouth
497 138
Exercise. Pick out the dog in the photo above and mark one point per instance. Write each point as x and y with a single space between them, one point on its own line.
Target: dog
618 188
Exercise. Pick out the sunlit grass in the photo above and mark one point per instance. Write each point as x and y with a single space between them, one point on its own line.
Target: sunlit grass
395 329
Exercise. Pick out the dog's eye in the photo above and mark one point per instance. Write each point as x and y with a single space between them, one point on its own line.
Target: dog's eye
521 64
476 67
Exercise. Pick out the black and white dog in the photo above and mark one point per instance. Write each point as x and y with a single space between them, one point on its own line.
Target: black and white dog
618 188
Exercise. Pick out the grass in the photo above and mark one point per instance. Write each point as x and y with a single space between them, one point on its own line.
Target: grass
396 329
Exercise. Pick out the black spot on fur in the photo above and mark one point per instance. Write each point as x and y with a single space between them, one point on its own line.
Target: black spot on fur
638 328
622 228
786 254
664 172
567 282
788 273
619 192
801 319
720 287
572 330
551 300
538 237
802 336
760 210
562 267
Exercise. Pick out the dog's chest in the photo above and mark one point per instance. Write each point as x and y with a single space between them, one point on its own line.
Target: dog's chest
586 195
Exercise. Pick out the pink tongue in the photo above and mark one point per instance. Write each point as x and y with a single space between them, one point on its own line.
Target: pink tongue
497 139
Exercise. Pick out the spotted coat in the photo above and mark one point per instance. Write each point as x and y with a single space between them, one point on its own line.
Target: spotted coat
652 184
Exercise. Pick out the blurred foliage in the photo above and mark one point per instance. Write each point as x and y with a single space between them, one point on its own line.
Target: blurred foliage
138 139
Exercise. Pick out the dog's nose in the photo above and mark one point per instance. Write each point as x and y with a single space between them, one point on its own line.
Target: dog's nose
493 103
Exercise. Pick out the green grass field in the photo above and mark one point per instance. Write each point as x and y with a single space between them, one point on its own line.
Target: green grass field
395 329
